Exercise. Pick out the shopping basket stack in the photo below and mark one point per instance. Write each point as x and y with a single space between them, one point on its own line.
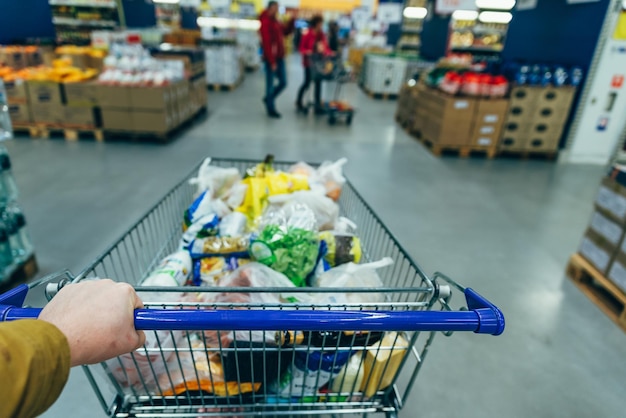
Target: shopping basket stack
247 337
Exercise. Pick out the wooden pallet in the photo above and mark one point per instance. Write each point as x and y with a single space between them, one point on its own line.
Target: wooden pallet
224 87
529 155
462 151
21 274
607 296
67 132
380 96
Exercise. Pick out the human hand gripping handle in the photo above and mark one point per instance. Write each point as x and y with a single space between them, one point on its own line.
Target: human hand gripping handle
97 318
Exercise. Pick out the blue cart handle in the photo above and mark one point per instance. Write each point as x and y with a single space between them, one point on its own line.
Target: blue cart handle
482 317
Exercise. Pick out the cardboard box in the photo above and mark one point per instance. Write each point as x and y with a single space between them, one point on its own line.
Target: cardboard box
449 120
51 113
559 98
80 94
151 98
597 250
44 92
524 96
617 271
82 116
519 114
152 121
113 97
608 229
17 91
489 118
611 198
20 113
78 60
14 59
117 119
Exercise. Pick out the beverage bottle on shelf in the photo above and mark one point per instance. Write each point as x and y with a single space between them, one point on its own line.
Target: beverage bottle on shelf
327 339
7 181
15 225
24 237
6 129
6 258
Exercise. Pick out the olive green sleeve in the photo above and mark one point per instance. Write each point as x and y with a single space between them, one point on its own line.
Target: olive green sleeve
34 366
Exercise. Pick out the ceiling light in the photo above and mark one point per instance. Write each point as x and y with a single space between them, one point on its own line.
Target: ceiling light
223 23
415 12
495 17
495 4
166 1
464 15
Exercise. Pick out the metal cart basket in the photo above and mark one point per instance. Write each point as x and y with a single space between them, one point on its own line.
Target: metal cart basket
208 358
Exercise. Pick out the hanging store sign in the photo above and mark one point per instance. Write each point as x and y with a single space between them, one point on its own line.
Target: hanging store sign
389 13
449 6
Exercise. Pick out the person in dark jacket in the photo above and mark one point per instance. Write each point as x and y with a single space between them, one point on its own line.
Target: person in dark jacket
313 42
272 39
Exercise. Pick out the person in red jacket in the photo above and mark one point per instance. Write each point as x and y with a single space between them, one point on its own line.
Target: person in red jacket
313 42
272 39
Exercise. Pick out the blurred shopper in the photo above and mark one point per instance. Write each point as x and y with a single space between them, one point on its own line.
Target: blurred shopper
272 38
334 42
313 42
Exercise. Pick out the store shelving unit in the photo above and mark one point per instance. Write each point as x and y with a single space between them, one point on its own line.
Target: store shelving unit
411 29
472 36
74 20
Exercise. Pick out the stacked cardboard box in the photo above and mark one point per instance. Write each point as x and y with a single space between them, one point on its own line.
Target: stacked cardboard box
536 118
454 121
152 110
17 98
604 242
407 105
68 105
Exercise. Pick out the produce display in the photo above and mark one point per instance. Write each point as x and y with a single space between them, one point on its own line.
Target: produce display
264 228
61 71
474 84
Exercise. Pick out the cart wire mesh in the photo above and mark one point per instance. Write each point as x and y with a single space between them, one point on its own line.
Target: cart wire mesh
243 373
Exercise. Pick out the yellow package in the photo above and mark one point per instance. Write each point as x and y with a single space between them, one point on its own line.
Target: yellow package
281 182
256 198
387 359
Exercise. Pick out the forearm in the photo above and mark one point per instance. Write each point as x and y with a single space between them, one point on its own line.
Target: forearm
34 366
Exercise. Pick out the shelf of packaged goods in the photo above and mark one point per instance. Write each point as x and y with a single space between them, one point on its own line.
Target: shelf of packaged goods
480 31
481 49
68 21
78 3
409 46
409 31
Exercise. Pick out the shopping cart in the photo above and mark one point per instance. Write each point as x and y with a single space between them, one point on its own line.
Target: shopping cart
232 359
330 68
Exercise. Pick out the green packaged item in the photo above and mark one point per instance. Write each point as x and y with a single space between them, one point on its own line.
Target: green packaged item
288 250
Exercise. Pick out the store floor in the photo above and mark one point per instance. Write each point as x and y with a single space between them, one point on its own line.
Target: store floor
503 227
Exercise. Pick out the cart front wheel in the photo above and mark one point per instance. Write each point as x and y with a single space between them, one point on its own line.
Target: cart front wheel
349 119
332 120
391 414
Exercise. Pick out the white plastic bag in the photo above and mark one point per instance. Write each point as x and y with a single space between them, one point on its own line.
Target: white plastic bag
354 275
331 176
325 210
217 180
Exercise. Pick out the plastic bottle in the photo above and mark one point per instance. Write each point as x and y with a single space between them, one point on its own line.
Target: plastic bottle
25 241
6 129
6 178
6 258
350 378
17 252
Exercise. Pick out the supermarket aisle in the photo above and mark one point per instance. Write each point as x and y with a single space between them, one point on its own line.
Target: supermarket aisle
505 228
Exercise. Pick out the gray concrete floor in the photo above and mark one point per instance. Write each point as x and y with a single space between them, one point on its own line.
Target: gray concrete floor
505 228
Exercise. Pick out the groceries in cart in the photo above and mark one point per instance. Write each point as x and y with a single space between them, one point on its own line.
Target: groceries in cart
261 229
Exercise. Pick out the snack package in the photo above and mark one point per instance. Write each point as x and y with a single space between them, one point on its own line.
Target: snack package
216 180
353 275
173 270
208 271
341 248
288 245
219 246
255 199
